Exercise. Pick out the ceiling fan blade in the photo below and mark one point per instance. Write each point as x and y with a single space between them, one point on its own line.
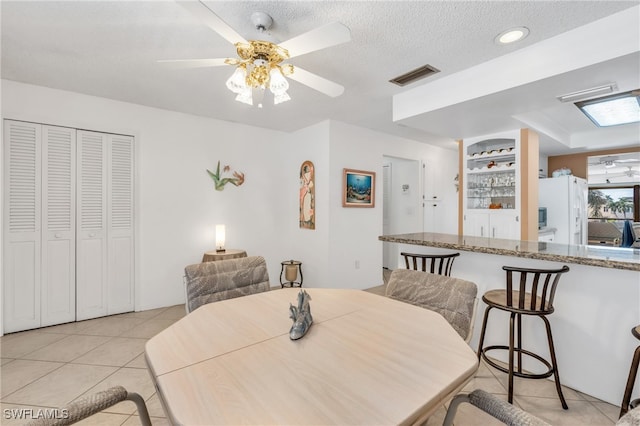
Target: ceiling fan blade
197 63
320 38
316 82
213 21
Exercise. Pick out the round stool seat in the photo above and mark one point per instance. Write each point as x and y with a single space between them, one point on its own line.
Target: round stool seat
636 331
498 299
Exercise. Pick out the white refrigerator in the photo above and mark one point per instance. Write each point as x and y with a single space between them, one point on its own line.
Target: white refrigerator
565 198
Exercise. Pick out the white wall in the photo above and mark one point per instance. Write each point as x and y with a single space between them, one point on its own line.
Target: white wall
354 231
177 206
311 247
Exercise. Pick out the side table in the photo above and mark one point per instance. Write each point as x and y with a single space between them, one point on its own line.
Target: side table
213 255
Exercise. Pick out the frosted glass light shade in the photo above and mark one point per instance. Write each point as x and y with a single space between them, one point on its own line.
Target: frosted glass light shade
281 97
277 83
246 97
237 83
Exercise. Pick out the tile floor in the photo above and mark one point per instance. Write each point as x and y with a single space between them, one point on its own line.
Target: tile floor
49 367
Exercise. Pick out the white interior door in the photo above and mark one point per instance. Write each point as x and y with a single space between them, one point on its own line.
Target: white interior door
58 303
91 259
22 227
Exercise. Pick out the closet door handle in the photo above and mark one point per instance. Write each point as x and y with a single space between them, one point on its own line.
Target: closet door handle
57 235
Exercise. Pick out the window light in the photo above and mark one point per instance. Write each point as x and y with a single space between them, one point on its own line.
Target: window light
622 108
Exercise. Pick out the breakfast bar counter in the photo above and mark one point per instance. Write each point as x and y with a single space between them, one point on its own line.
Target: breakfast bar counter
602 256
597 302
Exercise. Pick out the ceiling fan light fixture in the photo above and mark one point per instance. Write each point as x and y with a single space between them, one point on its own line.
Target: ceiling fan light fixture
277 83
237 83
279 98
246 96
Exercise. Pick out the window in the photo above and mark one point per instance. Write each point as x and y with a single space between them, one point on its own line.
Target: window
614 204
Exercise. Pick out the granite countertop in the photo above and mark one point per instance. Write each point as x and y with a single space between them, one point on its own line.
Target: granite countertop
605 257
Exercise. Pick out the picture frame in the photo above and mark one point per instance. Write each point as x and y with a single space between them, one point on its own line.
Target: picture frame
307 196
358 188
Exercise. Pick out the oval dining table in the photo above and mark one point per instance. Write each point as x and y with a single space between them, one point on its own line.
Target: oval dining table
367 359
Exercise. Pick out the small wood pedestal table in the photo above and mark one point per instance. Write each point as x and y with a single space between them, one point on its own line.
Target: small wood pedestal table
213 255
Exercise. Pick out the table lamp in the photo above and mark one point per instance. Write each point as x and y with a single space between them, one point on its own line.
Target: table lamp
220 237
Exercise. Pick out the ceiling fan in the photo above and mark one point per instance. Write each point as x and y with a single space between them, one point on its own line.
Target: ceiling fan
261 64
613 161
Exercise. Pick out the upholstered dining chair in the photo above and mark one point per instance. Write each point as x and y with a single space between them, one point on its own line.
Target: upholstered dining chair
512 415
434 263
92 404
224 279
453 298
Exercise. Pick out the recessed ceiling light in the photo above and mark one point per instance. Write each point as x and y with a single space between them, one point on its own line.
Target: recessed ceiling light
512 35
622 108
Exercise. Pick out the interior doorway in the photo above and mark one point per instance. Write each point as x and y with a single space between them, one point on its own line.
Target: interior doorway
402 210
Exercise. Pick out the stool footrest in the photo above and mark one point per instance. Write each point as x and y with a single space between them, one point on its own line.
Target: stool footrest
517 373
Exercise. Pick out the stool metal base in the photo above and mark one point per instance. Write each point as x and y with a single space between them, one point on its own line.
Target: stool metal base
515 322
518 372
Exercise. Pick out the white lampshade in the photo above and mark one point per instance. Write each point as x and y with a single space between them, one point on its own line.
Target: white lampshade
237 83
281 97
246 96
220 237
277 83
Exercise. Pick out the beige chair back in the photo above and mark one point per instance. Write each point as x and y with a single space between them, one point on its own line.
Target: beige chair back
453 298
224 279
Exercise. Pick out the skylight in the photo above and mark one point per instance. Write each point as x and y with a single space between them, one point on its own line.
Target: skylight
622 108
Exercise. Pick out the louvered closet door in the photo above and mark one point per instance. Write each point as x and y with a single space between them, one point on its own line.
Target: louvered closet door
91 231
22 156
120 225
58 303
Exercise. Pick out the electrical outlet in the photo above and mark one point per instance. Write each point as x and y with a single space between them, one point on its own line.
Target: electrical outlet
357 264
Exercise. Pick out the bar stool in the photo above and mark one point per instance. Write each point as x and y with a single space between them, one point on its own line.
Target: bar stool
533 295
633 371
444 262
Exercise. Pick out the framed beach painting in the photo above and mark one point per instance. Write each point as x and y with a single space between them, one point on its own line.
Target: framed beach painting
358 188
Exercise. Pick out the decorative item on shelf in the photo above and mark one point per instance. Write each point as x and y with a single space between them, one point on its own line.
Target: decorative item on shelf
291 269
358 188
301 316
511 163
495 206
220 182
457 180
220 238
564 171
307 196
491 164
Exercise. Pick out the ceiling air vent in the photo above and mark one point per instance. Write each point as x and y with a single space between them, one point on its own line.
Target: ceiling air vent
417 74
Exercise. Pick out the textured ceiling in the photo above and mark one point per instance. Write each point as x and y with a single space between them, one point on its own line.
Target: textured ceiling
111 49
